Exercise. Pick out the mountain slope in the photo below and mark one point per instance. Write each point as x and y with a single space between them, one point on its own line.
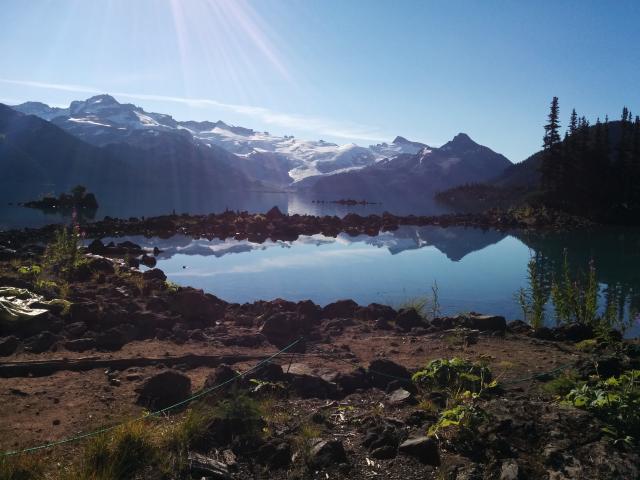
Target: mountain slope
277 161
42 155
459 161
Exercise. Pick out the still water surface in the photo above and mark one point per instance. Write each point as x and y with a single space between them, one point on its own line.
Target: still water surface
475 269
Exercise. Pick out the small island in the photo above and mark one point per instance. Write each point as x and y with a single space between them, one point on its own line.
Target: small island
78 198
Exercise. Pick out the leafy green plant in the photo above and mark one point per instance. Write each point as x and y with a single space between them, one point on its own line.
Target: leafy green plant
562 384
456 375
467 416
616 401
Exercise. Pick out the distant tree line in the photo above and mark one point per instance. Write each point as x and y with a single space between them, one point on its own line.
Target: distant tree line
594 167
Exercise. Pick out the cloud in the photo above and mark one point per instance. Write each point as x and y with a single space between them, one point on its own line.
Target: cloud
320 126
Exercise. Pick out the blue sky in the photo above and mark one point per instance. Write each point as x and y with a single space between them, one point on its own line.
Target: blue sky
340 70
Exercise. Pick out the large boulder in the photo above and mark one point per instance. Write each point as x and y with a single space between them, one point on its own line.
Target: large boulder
352 381
8 345
382 372
424 449
115 338
327 453
41 342
283 328
195 306
374 311
163 390
409 318
482 322
155 274
340 309
309 386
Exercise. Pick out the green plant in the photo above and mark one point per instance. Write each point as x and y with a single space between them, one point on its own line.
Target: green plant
616 401
121 453
575 300
533 299
21 467
61 256
427 306
562 384
456 375
462 419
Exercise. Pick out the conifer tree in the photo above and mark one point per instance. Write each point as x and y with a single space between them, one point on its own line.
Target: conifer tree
551 168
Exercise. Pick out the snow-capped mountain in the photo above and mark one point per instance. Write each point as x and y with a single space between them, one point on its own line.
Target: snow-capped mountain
458 161
101 120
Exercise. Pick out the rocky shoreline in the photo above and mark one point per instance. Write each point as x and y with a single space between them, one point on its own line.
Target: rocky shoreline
275 225
353 398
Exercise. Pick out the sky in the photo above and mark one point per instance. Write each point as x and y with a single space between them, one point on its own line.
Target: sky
359 71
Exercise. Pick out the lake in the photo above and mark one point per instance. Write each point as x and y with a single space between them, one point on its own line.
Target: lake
474 269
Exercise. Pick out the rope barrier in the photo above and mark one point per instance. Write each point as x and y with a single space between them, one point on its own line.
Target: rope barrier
152 414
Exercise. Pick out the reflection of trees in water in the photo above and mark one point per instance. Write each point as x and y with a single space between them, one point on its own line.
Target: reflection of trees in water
616 256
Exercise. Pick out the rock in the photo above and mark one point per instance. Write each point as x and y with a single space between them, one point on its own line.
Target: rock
274 214
96 247
8 345
518 326
148 261
401 397
424 449
409 318
382 324
483 322
85 312
509 470
374 311
270 372
327 453
340 309
381 372
384 453
80 344
573 332
195 306
75 329
283 328
352 381
543 333
100 265
41 342
309 386
276 454
202 466
115 338
164 389
250 340
309 311
223 373
154 274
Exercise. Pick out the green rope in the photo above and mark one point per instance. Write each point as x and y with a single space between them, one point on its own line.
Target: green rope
152 414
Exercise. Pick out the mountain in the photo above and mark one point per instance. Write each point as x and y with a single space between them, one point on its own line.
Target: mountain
276 161
459 161
45 157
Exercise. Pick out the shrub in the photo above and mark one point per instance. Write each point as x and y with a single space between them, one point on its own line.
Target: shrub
456 375
61 256
616 401
562 384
